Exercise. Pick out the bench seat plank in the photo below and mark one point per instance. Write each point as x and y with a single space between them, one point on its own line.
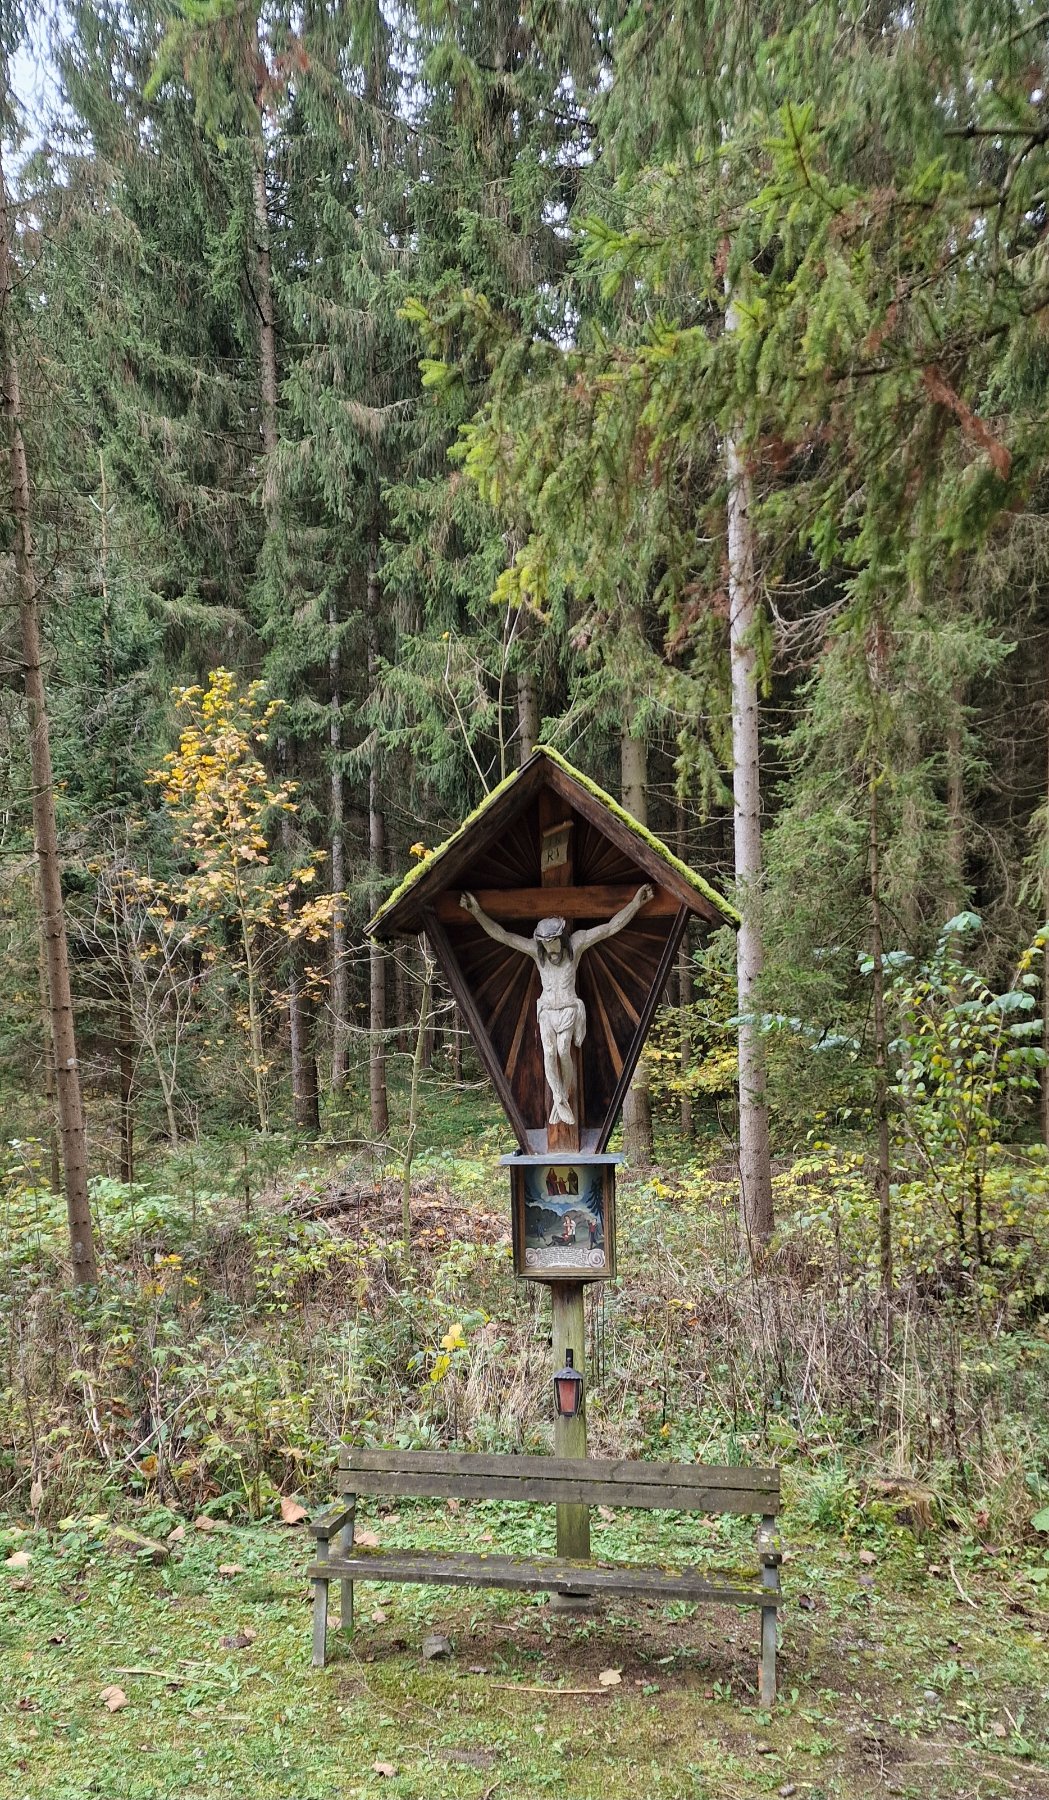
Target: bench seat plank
538 1574
587 1490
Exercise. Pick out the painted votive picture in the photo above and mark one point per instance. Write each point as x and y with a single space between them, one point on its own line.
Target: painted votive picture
565 1218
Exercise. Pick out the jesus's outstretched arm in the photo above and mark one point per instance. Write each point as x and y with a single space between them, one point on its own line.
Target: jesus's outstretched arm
510 938
582 940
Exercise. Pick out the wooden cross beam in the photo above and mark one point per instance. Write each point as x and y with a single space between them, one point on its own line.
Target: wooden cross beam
524 904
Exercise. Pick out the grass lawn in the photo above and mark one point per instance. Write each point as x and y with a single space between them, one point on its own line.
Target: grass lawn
892 1681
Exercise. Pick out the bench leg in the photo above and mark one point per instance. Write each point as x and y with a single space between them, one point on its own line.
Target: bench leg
320 1622
768 1656
343 1546
770 1557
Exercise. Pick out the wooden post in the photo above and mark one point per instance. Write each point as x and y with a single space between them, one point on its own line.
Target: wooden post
573 1522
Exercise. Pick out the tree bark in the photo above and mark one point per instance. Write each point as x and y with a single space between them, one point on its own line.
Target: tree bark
424 1030
1043 921
50 1110
956 808
881 1050
684 998
304 1085
305 1088
340 971
755 1167
637 1108
527 714
126 1069
45 827
380 1111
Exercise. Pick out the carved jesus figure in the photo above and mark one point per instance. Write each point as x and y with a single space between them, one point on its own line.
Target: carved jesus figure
562 1016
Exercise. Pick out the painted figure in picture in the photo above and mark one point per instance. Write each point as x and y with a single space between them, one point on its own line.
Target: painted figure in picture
562 1016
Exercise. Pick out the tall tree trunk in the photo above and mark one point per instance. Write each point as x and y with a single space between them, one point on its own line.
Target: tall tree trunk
45 827
126 1068
684 998
305 1088
755 1168
380 1111
956 807
1045 921
304 1084
527 714
881 1050
53 1157
637 1108
340 969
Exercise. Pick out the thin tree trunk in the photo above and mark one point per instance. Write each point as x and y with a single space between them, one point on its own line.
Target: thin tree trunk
305 1090
340 971
956 807
527 714
45 827
54 1160
637 1108
304 1084
254 1023
424 1030
684 1000
881 1051
126 1067
380 1110
1045 953
400 997
755 1167
267 325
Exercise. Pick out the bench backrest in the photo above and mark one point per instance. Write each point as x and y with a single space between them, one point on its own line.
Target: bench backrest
677 1487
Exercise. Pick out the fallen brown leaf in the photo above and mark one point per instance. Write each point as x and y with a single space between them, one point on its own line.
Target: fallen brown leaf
367 1538
610 1677
378 1615
19 1559
113 1698
176 1536
292 1512
384 1768
230 1569
867 1557
204 1523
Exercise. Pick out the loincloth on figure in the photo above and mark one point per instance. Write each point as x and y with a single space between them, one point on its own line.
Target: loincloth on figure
561 1019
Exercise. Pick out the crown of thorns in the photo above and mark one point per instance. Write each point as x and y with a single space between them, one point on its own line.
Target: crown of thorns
550 928
550 931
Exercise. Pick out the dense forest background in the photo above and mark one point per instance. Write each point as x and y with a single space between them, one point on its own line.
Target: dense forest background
399 387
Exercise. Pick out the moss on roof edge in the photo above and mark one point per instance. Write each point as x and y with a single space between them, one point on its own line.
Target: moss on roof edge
654 843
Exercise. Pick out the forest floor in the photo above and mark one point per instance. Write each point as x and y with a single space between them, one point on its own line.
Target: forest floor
260 1322
900 1676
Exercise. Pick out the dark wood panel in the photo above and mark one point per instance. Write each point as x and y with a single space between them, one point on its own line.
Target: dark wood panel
619 1468
536 1575
633 848
407 916
446 956
594 903
655 996
558 1491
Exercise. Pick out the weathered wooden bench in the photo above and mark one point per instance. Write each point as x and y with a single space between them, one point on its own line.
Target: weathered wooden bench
676 1487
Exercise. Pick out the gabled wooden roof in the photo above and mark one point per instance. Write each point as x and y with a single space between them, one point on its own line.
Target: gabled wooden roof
403 914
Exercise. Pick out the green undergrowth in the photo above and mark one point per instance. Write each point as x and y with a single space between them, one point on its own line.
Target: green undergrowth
900 1675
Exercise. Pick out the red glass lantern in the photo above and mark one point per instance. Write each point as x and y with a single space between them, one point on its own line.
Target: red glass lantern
568 1388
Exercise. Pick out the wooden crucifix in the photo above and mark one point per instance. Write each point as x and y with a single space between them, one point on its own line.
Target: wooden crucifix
555 919
561 1014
